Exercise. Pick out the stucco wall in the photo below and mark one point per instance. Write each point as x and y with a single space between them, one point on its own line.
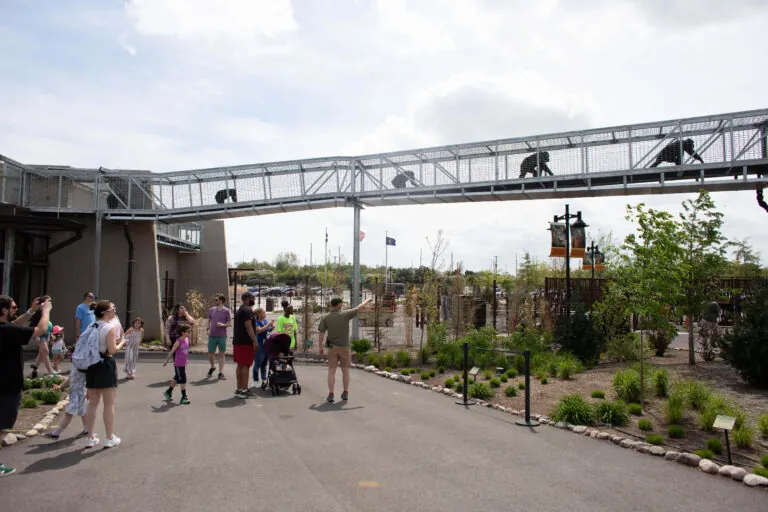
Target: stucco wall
206 271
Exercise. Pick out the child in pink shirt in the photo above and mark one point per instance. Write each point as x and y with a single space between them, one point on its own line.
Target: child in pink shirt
180 354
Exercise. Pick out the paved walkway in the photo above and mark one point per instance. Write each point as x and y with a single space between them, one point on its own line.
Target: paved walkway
392 447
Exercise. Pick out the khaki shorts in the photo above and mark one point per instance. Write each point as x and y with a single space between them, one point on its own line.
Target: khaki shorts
339 355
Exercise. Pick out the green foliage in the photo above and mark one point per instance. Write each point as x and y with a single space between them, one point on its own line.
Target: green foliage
424 375
51 396
487 374
437 337
510 391
760 471
504 378
676 432
403 358
674 408
405 372
28 402
764 461
432 373
573 409
480 390
374 360
626 383
459 385
495 383
567 368
645 424
656 439
33 383
624 348
744 436
441 370
577 334
389 360
745 348
705 454
52 380
612 322
715 446
598 394
448 383
544 380
660 380
521 385
388 369
636 409
612 413
38 394
697 393
511 373
424 355
762 425
361 346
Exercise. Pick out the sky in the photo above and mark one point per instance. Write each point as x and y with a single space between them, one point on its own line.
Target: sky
168 85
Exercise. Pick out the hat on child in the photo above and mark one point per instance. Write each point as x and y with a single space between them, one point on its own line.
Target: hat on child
57 329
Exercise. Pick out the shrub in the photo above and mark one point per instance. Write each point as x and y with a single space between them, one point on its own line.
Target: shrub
764 461
715 446
573 409
33 383
660 379
424 375
432 373
511 373
495 383
424 356
361 346
598 394
51 396
51 380
708 411
697 393
762 425
521 385
374 360
743 437
544 380
389 359
656 439
448 383
510 391
388 369
740 348
566 369
578 335
405 372
660 338
674 408
480 390
624 348
636 409
627 385
760 471
403 358
504 378
612 413
487 374
645 424
676 432
705 454
459 386
441 369
37 394
28 402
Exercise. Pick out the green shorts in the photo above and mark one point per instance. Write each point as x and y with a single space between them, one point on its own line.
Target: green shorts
214 342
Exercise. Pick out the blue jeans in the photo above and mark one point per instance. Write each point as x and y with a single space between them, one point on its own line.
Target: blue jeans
260 362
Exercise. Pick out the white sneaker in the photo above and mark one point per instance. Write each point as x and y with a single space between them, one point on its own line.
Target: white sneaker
91 442
111 443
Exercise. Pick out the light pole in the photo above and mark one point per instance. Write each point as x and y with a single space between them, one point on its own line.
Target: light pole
593 251
578 224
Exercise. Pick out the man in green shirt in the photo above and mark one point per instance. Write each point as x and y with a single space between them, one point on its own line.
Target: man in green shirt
336 325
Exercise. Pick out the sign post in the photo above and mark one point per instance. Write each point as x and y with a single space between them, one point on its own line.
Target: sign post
726 423
473 372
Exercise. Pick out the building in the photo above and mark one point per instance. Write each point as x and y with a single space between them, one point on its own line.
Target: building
63 248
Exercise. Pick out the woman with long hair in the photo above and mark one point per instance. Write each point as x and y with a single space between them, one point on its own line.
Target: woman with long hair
179 316
101 378
42 343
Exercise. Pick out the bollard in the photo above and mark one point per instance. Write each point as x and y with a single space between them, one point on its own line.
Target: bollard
527 422
466 400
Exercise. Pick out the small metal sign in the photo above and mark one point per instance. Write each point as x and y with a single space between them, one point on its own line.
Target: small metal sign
474 371
724 422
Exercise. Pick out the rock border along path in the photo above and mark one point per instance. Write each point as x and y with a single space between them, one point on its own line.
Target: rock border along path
11 438
686 459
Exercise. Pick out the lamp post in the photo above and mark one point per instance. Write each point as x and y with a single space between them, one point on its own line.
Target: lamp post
579 223
593 250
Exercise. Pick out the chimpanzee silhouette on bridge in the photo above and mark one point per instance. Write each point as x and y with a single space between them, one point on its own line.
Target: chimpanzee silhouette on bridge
403 178
537 167
671 153
223 194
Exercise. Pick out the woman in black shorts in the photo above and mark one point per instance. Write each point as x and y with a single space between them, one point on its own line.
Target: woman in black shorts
101 378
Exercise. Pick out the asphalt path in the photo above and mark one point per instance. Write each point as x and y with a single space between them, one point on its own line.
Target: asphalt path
391 447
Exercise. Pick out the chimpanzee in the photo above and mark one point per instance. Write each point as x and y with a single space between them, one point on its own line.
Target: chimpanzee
760 200
225 193
530 162
671 153
402 179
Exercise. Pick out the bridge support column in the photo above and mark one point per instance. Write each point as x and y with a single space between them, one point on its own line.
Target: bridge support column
97 256
355 299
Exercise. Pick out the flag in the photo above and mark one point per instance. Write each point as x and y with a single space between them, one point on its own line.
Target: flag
391 241
362 236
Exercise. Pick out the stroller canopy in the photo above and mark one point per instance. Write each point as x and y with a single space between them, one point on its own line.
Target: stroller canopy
278 344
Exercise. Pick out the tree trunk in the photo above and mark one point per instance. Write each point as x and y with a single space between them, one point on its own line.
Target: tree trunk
691 342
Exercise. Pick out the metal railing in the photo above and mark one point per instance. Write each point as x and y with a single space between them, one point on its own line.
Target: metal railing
184 235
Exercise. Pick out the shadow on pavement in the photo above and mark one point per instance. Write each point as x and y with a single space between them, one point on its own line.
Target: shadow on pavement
123 380
335 407
230 403
61 461
52 445
167 406
206 381
161 384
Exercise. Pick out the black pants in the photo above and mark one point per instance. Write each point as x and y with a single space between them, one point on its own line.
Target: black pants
10 402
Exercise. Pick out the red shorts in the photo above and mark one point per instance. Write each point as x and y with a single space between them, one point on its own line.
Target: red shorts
244 355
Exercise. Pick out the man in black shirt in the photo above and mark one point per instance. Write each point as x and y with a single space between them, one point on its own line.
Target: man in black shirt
14 334
244 344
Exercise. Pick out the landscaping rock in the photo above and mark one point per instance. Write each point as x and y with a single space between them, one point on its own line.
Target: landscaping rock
738 474
726 470
31 433
627 443
594 433
516 413
570 427
9 439
447 391
658 451
560 424
39 427
616 439
20 437
407 380
642 447
489 405
709 467
53 412
543 421
370 368
603 435
671 455
579 429
689 459
434 388
394 377
754 480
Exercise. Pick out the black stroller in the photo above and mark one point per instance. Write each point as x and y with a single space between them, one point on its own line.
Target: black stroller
280 360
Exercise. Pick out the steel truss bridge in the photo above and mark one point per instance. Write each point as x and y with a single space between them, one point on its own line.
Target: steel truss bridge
585 163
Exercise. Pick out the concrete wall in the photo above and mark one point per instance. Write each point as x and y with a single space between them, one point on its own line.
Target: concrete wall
206 271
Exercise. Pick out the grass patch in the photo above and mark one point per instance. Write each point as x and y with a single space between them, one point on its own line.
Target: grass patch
762 425
598 394
715 446
573 409
510 391
389 360
487 374
521 386
28 402
388 369
568 368
441 369
51 397
544 380
676 432
697 393
432 373
744 436
612 413
480 390
764 461
405 372
674 408
760 471
645 425
656 439
424 375
403 358
504 378
626 383
705 454
448 383
660 380
495 383
636 409
511 373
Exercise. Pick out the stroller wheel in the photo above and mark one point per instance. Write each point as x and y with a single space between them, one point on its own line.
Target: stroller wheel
293 389
263 384
298 389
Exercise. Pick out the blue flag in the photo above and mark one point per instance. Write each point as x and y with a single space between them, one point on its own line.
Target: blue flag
391 241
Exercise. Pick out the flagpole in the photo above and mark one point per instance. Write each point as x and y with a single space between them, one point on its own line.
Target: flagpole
386 258
325 279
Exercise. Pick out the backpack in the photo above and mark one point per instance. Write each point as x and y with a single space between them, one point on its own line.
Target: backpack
86 351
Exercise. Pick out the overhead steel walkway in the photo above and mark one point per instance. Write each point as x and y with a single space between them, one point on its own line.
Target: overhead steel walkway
586 163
